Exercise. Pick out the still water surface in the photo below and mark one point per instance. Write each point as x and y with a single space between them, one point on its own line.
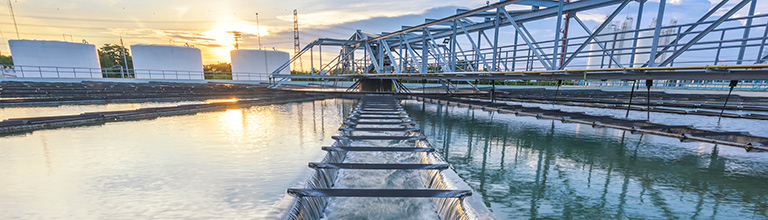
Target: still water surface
26 112
236 164
527 168
232 164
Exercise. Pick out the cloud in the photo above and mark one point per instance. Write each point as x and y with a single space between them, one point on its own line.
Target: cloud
359 11
674 2
592 16
187 36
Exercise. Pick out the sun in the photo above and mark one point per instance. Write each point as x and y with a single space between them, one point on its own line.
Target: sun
224 41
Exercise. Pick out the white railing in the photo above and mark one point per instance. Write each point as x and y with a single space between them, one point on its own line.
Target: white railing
54 72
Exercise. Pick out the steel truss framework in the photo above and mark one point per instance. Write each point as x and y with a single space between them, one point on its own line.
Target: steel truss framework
494 42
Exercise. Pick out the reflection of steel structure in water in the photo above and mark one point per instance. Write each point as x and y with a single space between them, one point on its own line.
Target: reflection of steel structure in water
510 143
682 132
497 39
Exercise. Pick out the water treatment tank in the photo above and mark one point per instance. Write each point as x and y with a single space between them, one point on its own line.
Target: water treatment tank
666 36
54 59
154 61
597 58
249 64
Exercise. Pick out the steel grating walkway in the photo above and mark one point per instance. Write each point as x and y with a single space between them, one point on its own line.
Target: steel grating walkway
385 112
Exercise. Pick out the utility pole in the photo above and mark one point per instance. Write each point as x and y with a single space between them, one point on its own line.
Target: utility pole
258 30
238 35
296 43
10 6
125 60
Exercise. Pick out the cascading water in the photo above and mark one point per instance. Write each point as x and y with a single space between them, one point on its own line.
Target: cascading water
380 208
447 195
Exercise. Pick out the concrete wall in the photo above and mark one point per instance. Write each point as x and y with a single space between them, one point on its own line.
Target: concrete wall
153 61
53 59
257 64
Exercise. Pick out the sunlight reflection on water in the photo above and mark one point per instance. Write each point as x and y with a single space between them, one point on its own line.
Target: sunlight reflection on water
226 164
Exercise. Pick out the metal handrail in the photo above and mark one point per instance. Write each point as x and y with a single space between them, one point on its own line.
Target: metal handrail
60 72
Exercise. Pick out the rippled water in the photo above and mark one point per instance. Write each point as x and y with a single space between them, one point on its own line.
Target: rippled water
380 208
232 164
528 168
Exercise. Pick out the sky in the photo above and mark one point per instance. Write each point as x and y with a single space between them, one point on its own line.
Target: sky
203 24
206 24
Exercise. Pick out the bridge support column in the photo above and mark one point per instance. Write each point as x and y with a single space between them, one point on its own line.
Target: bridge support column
376 85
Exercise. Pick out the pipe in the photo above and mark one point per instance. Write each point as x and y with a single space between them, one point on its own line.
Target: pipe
493 90
648 84
732 84
631 94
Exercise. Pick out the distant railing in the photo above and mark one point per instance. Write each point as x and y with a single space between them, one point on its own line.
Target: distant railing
54 72
744 85
16 71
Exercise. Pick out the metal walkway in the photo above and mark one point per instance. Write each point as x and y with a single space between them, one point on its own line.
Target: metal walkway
382 115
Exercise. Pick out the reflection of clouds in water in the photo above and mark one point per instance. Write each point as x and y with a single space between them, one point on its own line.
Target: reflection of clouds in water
223 164
593 173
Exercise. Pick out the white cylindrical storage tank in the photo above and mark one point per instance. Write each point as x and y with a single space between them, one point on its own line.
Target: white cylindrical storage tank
646 40
54 59
622 44
155 61
249 64
642 56
597 58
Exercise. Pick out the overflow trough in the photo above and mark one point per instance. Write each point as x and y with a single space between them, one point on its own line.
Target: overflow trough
386 129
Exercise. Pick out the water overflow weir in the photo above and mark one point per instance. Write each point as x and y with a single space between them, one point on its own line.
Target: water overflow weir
381 166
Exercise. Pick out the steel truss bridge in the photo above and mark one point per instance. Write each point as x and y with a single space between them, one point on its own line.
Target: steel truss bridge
494 43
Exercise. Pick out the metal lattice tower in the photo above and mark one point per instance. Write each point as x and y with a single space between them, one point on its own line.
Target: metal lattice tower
296 43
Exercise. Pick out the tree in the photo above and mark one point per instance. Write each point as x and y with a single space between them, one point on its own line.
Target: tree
218 67
218 71
111 59
6 60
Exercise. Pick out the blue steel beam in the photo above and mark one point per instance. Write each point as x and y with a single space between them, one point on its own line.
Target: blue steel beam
413 54
637 32
535 15
656 33
557 33
497 22
760 58
703 33
746 32
436 53
485 64
597 31
525 38
602 48
447 57
687 30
